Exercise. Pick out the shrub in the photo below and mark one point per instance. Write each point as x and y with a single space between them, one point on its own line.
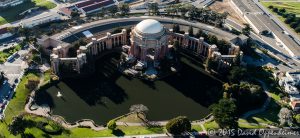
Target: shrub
32 83
112 124
297 118
297 29
271 7
289 20
178 125
294 25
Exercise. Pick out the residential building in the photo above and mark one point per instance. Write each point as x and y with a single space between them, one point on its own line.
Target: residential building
290 82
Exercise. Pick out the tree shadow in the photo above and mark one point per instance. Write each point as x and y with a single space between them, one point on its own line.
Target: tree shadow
196 85
118 132
94 88
43 97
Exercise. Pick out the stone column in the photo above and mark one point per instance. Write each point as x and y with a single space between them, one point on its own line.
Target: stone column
55 63
211 49
200 45
109 41
186 40
124 37
94 46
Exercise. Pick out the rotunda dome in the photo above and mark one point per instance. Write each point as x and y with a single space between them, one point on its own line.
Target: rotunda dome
149 26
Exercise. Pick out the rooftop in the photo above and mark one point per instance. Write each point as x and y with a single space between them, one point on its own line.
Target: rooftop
149 26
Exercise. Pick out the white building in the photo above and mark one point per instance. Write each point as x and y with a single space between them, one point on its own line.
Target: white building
40 19
4 33
10 3
290 82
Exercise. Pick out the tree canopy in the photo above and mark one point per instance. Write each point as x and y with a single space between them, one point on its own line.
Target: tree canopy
178 125
225 113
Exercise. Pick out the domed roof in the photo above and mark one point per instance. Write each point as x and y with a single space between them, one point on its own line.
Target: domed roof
149 26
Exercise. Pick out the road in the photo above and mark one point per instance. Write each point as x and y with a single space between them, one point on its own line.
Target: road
128 21
276 20
271 47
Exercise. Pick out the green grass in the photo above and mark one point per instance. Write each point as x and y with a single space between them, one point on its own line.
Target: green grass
197 128
8 52
290 7
12 14
16 105
211 125
123 130
270 116
44 3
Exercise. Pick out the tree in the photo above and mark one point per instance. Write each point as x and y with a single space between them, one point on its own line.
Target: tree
237 74
297 29
271 7
246 30
224 113
178 125
223 46
282 10
192 12
75 14
191 31
124 8
275 9
294 25
139 108
113 10
247 96
32 83
199 33
297 118
212 39
285 117
112 125
153 8
17 126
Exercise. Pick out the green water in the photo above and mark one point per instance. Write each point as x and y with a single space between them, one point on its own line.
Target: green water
107 94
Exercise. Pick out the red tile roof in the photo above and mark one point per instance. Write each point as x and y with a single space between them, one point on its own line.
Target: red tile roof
295 104
66 11
97 5
87 3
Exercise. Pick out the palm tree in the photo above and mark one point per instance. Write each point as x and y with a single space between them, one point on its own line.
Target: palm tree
138 108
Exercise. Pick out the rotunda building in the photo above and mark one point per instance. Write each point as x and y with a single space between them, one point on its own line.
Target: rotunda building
149 42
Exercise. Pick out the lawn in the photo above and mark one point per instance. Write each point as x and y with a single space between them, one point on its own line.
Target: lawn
12 14
270 116
211 125
16 105
290 7
8 52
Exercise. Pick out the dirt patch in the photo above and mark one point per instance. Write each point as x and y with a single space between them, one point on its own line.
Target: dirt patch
225 6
